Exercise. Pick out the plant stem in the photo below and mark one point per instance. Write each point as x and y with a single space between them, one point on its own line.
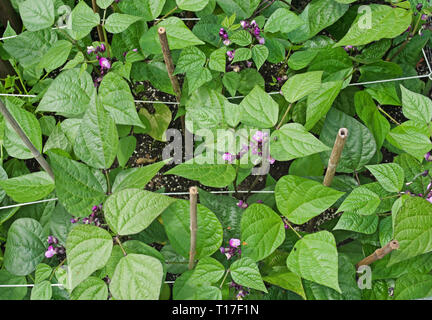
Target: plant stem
166 15
99 28
121 247
19 76
404 44
224 278
389 116
108 181
284 116
56 268
236 176
291 227
105 35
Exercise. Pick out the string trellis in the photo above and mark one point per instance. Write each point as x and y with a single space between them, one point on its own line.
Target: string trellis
426 53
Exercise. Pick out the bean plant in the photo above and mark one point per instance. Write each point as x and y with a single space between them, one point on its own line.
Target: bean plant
264 88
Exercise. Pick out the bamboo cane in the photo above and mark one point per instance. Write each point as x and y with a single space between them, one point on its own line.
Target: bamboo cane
379 253
193 198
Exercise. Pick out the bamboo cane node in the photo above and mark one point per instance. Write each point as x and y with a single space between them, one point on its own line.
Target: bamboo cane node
161 30
343 133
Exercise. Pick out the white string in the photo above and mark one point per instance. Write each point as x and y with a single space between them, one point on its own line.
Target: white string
26 285
28 203
14 36
390 80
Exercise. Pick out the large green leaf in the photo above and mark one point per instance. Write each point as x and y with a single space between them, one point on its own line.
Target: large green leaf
130 211
118 22
412 137
315 258
56 56
192 5
26 245
207 271
148 9
88 249
78 187
243 9
259 109
361 201
293 141
176 220
245 272
83 20
158 121
13 293
282 277
262 232
412 228
301 199
375 22
413 286
116 97
137 277
97 141
389 175
352 221
30 126
283 20
416 106
136 177
41 291
37 14
190 59
28 188
360 145
91 288
70 94
301 85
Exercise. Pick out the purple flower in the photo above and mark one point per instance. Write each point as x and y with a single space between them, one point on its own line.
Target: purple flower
135 50
86 221
424 17
230 55
428 156
90 49
257 31
271 160
222 250
242 204
260 201
261 40
419 6
227 42
249 64
259 136
348 48
74 220
95 208
425 173
50 252
104 63
228 157
234 243
253 24
429 199
244 24
102 48
52 240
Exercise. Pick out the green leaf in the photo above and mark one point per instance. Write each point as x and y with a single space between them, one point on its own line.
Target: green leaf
178 34
192 5
117 99
259 55
301 85
56 56
361 201
259 109
301 199
416 106
103 4
190 59
136 177
28 188
412 229
315 258
242 38
83 20
301 59
130 211
358 223
368 112
176 220
97 141
60 225
91 288
282 277
389 175
242 54
41 291
43 271
159 121
14 293
262 232
88 249
283 20
413 286
14 145
207 271
148 9
197 78
137 277
211 175
37 14
231 81
118 22
70 94
293 141
78 187
376 22
217 59
360 145
412 137
245 272
317 15
320 102
26 245
126 148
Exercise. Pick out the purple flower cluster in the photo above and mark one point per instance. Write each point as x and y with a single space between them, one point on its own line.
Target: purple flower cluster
100 48
230 54
253 28
92 218
126 52
224 35
241 291
256 147
242 204
233 248
53 247
428 156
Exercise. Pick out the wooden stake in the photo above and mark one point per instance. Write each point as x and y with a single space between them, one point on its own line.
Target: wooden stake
39 158
170 68
193 198
379 253
336 153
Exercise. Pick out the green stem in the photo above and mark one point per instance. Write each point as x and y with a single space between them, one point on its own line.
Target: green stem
224 278
19 76
292 228
166 15
389 116
121 247
56 268
284 116
108 181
